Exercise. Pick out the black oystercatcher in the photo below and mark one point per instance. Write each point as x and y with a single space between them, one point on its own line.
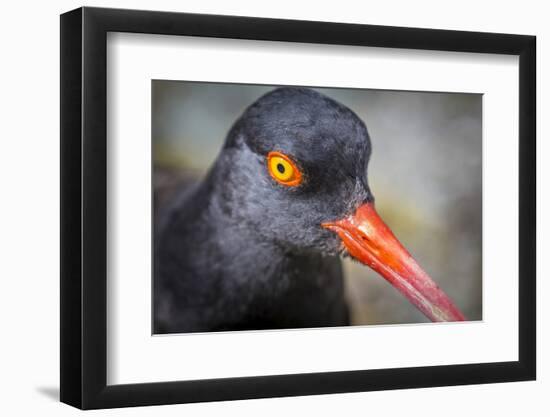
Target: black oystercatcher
256 244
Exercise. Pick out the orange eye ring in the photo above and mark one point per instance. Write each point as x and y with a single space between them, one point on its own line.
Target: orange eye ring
283 169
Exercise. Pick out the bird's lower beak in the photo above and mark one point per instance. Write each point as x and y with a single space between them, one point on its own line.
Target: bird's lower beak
370 241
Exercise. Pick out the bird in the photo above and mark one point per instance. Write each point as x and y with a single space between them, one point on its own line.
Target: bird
257 244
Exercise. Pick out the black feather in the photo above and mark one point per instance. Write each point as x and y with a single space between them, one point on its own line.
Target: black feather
240 251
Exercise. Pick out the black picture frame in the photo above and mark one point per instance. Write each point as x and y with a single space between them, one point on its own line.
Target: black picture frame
84 207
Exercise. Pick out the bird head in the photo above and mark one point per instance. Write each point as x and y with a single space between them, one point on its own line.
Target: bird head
294 170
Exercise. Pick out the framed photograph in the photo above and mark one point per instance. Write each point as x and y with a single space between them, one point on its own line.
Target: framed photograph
258 208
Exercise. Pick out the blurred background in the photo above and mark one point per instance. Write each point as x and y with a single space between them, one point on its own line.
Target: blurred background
425 173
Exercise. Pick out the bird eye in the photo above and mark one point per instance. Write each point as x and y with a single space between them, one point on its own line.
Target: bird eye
283 170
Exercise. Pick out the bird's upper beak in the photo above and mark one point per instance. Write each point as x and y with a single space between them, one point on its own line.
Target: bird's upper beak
370 241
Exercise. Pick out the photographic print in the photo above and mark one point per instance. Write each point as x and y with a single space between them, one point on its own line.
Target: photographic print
281 207
331 200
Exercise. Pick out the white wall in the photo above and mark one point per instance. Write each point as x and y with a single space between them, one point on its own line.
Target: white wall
29 224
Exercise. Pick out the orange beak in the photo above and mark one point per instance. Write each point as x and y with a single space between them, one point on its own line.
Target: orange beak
370 241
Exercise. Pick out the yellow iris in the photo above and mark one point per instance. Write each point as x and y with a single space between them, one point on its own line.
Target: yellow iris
283 170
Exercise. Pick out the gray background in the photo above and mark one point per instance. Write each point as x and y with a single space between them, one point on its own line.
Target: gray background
425 173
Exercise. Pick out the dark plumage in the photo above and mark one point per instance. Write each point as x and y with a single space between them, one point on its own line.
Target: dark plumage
240 251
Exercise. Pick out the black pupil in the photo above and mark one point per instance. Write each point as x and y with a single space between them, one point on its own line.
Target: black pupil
281 168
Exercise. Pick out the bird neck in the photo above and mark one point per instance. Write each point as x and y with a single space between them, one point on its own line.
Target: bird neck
223 213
